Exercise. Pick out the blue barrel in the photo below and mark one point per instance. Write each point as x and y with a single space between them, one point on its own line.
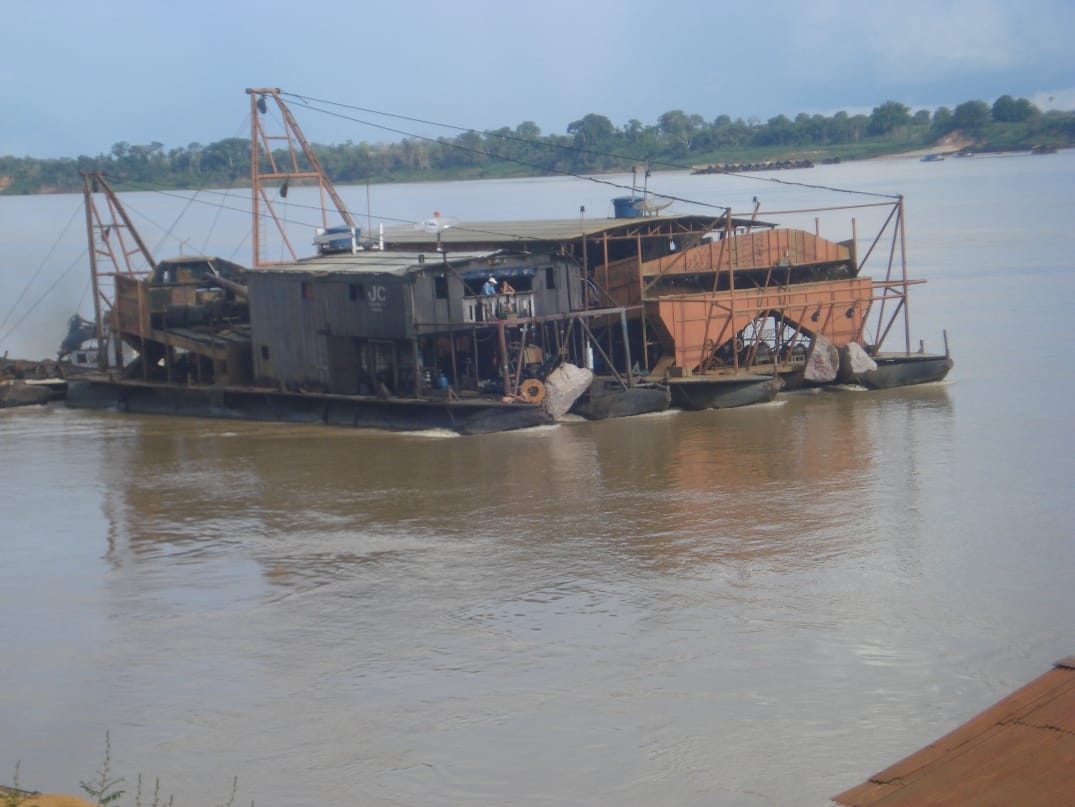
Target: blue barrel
627 207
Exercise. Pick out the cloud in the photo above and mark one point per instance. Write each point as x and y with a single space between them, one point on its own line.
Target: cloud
1063 99
926 41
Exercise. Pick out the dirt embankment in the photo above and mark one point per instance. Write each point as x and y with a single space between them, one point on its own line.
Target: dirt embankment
949 144
29 798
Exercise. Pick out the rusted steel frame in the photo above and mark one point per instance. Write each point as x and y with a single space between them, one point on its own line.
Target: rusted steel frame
645 333
95 221
564 342
796 333
891 322
875 297
518 363
255 181
604 264
435 325
118 222
638 257
586 270
877 239
605 289
828 317
641 301
311 157
292 134
260 190
906 296
118 209
708 348
142 330
609 335
759 334
593 341
885 287
752 350
731 288
87 204
888 276
474 351
860 331
703 359
646 287
802 210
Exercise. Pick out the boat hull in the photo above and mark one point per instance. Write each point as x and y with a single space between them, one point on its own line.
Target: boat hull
21 393
603 401
722 392
900 371
466 416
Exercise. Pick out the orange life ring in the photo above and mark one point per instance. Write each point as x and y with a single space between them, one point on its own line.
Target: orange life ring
532 391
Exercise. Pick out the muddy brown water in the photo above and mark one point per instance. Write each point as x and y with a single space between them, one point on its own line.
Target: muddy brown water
757 607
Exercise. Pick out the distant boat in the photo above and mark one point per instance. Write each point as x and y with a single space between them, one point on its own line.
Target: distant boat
933 158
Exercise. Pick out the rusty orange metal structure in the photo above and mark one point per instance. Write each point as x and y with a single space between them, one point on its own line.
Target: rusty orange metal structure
753 279
694 324
114 246
268 166
1021 751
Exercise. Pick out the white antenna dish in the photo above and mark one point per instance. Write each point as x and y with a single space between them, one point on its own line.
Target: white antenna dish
436 223
653 203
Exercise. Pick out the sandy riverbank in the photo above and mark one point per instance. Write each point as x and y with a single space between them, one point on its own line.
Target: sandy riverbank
948 145
31 798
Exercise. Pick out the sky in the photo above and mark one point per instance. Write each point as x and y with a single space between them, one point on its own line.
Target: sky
77 76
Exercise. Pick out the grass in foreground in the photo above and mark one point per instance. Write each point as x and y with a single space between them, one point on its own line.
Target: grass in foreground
104 790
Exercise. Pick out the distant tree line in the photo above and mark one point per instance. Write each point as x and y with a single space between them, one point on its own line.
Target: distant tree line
591 144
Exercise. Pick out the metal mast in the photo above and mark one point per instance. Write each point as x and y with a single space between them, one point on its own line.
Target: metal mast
267 167
113 242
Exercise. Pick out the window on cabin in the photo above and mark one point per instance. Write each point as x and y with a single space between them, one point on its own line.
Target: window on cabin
550 277
440 288
307 290
355 292
264 352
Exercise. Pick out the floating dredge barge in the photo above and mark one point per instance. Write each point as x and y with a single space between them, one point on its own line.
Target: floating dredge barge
606 317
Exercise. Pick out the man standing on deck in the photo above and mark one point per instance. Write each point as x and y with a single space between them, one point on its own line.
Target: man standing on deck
488 290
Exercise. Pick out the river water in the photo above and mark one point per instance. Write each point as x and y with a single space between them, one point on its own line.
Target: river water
747 607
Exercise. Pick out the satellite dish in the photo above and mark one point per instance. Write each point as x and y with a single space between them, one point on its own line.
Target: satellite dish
436 223
653 203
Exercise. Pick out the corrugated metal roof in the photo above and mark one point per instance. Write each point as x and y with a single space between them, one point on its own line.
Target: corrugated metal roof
1020 751
519 233
371 262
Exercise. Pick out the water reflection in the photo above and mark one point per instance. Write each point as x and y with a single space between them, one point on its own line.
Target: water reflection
788 483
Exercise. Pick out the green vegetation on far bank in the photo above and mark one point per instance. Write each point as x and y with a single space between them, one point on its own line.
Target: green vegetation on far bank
592 144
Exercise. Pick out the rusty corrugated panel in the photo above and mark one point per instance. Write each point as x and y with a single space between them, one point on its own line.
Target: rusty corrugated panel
1019 751
755 250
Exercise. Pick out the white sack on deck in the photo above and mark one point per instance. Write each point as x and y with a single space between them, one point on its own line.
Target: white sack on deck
859 359
822 362
563 386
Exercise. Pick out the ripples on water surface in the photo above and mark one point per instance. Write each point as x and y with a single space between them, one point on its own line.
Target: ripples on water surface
759 606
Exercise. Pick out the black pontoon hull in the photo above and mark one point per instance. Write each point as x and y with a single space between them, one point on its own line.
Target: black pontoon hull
901 371
466 416
601 402
723 392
